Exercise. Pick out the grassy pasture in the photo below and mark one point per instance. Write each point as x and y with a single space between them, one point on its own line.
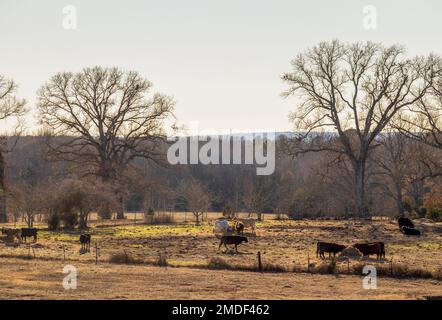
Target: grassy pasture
283 243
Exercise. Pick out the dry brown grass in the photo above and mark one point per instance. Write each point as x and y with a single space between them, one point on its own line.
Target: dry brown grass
35 279
286 247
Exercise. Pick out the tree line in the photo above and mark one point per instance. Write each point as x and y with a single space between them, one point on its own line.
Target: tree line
366 141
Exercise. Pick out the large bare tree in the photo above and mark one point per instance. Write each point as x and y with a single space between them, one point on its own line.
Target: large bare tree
107 117
10 107
407 164
422 121
193 195
351 92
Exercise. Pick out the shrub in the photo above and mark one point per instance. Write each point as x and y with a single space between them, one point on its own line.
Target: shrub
160 218
326 268
219 264
161 261
228 212
70 220
105 212
124 258
435 214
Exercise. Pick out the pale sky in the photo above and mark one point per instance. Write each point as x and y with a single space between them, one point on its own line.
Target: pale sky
220 60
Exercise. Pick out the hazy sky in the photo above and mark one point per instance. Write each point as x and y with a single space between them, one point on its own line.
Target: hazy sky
221 60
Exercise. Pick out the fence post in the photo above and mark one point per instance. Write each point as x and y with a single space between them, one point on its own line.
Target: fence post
308 263
348 265
259 262
96 252
391 266
64 253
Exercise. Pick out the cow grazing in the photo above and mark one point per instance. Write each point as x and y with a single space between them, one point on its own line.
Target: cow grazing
11 233
221 226
377 248
28 233
235 240
410 231
239 226
85 240
405 222
323 247
247 222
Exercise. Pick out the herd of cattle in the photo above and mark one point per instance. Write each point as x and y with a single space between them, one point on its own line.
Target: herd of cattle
23 233
406 226
234 235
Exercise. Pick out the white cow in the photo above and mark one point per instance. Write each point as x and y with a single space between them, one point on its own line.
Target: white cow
221 226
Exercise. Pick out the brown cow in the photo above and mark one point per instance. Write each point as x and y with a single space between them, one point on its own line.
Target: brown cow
366 249
239 226
322 247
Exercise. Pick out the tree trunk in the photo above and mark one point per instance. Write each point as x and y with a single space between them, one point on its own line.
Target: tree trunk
120 209
399 201
3 213
82 223
361 207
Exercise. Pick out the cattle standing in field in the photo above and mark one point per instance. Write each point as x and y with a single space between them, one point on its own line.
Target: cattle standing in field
405 222
239 226
323 247
11 233
377 248
410 231
28 233
221 226
85 240
247 222
236 240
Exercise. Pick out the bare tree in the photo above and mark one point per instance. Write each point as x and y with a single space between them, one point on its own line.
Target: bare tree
422 121
259 191
357 89
194 197
109 119
10 107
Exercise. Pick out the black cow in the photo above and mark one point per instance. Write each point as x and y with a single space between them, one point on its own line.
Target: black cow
85 240
236 240
410 231
28 233
322 247
11 233
402 221
377 248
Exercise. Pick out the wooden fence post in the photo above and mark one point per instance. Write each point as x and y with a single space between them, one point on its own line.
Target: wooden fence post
391 266
260 262
64 253
96 252
308 263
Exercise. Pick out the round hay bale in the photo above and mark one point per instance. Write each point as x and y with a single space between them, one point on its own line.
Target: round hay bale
351 252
